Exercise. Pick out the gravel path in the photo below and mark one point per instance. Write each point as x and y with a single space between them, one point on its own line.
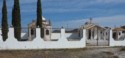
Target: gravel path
73 53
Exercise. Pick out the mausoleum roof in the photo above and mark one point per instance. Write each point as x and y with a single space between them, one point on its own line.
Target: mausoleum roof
118 29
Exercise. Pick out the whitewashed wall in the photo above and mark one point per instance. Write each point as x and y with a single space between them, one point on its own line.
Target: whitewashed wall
0 35
38 43
119 35
114 42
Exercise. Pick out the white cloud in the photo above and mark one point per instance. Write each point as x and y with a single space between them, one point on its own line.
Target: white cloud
110 1
79 5
111 21
28 1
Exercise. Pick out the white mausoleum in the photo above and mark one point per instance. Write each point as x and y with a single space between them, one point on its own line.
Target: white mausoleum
47 29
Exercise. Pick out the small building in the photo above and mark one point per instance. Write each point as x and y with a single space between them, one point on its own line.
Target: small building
96 35
95 31
47 29
118 33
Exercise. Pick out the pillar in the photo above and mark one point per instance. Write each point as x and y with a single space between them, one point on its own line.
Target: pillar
63 38
29 34
91 34
95 34
111 40
1 35
11 37
99 34
38 33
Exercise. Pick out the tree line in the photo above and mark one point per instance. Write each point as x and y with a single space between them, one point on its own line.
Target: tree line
16 19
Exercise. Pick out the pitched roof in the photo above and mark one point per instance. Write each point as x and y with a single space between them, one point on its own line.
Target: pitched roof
118 29
89 26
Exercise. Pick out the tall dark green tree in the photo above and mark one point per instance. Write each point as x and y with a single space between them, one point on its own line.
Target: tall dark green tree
4 21
39 18
16 20
12 17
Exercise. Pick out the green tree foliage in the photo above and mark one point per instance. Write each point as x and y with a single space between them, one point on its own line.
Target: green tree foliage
39 18
16 20
13 17
39 14
4 21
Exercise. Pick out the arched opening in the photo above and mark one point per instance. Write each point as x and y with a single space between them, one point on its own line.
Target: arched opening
89 35
115 35
32 32
47 32
119 33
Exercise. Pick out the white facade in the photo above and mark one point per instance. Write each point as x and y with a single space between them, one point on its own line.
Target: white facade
46 26
116 42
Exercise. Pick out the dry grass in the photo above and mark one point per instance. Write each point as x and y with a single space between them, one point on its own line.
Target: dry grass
122 49
63 53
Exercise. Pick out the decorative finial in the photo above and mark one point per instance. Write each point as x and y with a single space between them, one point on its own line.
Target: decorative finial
90 20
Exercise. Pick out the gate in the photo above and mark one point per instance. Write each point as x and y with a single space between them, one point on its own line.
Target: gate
97 38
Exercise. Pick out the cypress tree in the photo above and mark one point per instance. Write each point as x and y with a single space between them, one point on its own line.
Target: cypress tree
13 20
39 18
16 20
13 17
4 21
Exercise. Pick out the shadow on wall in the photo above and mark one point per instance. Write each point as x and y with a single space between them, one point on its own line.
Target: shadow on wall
24 36
73 36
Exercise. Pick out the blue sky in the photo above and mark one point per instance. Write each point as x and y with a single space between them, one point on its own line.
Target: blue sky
72 13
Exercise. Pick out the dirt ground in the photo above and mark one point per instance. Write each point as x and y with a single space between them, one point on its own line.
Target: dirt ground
91 52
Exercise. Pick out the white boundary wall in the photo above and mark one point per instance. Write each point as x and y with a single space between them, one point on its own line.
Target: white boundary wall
114 42
38 43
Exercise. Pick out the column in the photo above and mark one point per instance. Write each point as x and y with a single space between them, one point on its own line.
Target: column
29 34
91 34
63 38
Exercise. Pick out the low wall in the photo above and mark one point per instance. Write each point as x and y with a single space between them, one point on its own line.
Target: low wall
39 43
114 42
